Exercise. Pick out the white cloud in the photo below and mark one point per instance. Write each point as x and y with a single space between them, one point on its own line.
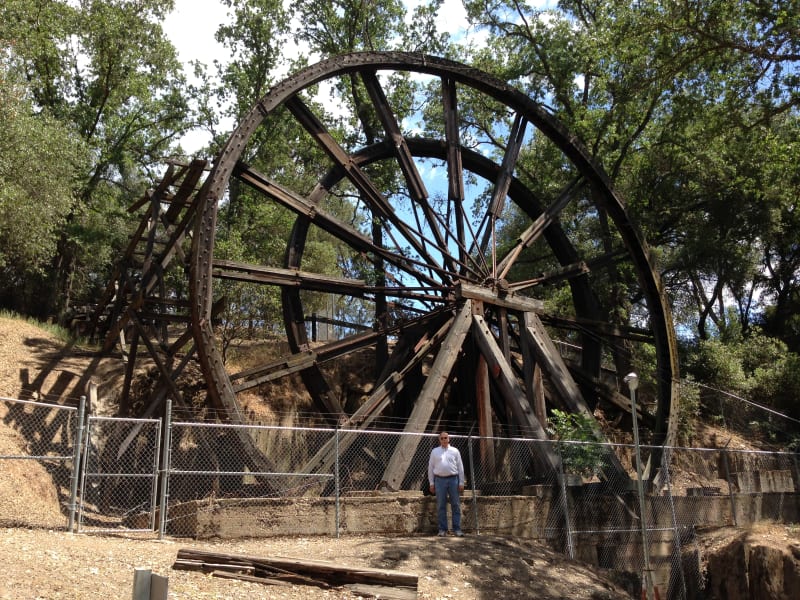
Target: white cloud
191 27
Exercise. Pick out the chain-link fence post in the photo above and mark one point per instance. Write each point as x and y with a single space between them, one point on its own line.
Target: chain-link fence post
156 476
676 542
165 459
87 436
336 477
730 486
562 480
76 464
471 453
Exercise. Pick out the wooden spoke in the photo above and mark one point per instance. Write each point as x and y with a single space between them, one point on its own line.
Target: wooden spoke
554 276
496 204
534 231
371 194
407 280
330 224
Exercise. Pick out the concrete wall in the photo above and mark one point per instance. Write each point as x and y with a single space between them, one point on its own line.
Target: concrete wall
409 513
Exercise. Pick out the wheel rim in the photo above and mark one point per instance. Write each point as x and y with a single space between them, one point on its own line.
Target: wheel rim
428 255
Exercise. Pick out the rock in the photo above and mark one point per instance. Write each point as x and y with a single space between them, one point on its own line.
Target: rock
743 570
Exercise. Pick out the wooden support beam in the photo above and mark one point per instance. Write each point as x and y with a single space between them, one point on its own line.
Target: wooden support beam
513 393
236 271
483 403
323 460
547 355
435 383
509 301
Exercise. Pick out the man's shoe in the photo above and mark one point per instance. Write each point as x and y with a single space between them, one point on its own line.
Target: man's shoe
459 534
442 533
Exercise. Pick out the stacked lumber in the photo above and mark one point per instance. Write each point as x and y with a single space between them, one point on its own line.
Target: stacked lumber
363 581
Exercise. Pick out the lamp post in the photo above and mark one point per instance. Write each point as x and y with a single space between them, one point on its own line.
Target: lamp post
633 383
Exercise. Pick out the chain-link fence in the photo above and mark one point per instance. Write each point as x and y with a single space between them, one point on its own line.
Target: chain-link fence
212 479
119 475
38 446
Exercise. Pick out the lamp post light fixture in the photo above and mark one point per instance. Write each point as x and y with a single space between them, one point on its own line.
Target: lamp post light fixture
632 379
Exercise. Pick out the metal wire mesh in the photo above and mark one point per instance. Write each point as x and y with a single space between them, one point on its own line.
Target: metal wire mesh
564 493
119 474
37 445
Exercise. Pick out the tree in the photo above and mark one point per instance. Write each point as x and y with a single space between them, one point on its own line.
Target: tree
679 101
105 70
40 161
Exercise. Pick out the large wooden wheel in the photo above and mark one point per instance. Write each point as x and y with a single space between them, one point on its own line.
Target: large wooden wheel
458 325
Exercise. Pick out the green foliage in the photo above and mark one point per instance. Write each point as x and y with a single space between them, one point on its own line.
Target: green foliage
757 368
585 457
254 38
105 72
339 26
40 162
689 399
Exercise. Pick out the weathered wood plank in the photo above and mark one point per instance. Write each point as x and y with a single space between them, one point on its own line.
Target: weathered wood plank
509 301
483 401
511 390
431 391
316 570
237 271
250 578
549 358
382 591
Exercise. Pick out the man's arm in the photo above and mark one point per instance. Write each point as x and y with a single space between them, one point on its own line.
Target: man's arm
461 476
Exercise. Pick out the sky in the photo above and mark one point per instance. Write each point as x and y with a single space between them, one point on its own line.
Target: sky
192 24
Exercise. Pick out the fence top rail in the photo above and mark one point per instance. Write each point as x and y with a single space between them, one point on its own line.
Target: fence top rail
124 419
467 437
733 450
200 425
40 404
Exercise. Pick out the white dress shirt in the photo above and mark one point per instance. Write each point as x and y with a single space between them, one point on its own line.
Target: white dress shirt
445 462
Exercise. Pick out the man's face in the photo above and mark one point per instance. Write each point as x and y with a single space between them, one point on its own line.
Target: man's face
444 440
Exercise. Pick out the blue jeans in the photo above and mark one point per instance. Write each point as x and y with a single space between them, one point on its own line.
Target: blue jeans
447 489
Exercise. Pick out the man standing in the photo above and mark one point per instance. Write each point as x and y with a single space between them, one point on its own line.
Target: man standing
446 479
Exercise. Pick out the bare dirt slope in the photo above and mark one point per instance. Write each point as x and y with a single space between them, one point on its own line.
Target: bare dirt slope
44 562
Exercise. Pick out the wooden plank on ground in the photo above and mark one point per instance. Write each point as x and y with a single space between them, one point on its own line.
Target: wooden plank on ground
315 572
381 591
